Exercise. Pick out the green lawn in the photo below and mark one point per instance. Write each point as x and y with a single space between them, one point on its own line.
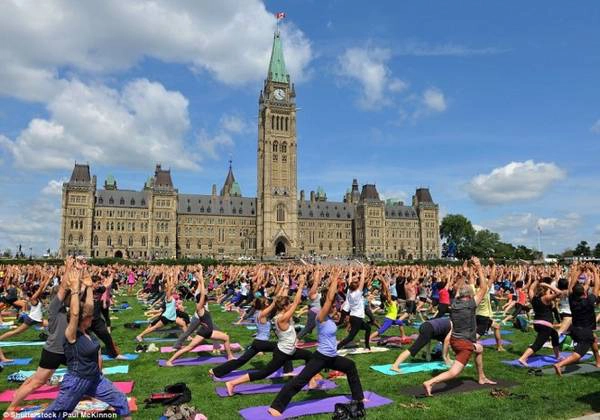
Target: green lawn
547 396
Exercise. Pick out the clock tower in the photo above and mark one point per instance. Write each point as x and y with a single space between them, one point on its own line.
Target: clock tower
277 213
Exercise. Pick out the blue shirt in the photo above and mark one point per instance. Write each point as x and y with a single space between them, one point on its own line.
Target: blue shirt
327 338
263 331
82 357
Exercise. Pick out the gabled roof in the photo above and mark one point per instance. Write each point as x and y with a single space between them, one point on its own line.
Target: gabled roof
277 71
369 193
216 206
423 195
162 178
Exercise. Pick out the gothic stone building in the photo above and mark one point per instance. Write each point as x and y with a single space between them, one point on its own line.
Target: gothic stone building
159 222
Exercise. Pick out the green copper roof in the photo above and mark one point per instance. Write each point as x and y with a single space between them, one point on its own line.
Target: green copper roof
235 190
277 71
110 180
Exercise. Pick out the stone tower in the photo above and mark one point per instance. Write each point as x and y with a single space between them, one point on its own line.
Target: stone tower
277 215
78 200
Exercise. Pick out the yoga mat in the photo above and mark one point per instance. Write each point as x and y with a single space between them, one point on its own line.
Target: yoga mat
204 347
236 373
142 321
455 386
21 343
251 327
17 362
575 369
47 392
127 356
502 332
158 340
250 388
244 323
490 342
307 345
7 325
349 352
410 368
311 407
84 409
196 361
538 361
112 370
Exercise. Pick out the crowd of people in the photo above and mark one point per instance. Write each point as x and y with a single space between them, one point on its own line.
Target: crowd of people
454 306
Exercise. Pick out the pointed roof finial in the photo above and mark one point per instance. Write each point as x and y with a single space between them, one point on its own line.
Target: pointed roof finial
277 71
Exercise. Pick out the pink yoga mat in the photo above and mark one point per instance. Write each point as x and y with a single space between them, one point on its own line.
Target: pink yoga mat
203 347
47 392
196 361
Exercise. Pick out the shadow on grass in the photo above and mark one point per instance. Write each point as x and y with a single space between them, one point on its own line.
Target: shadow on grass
592 399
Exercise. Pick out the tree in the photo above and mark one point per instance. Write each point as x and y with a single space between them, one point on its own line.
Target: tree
457 229
582 249
597 250
7 253
485 243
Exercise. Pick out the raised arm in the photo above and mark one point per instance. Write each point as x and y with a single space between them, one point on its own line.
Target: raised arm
287 315
330 296
74 307
483 282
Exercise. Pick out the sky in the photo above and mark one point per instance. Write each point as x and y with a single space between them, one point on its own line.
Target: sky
495 106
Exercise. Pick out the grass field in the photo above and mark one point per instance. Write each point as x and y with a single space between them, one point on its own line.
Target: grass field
545 397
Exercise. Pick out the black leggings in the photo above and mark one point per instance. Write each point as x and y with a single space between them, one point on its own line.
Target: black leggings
279 359
106 314
357 324
98 327
442 310
543 334
317 363
252 350
311 323
425 335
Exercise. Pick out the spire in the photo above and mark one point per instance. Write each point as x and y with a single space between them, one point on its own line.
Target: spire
229 182
277 70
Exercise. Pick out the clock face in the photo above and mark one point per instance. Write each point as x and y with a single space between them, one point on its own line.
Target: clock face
279 94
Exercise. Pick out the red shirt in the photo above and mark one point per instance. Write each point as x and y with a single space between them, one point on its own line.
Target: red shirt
444 297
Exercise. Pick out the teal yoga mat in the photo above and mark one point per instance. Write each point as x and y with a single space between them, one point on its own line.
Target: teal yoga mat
128 356
21 343
112 370
410 368
17 362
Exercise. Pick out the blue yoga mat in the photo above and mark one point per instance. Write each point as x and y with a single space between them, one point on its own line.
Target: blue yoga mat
538 361
158 340
128 356
21 343
112 370
410 368
17 362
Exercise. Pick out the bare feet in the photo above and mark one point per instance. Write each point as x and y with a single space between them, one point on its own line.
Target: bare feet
211 373
230 357
500 349
120 357
523 363
486 381
5 360
230 389
427 388
274 412
558 370
168 363
314 381
139 339
396 369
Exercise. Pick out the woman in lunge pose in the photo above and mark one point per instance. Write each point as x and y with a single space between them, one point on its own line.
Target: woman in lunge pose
325 357
286 344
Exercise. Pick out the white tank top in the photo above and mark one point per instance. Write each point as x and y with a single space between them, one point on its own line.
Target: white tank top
286 338
35 312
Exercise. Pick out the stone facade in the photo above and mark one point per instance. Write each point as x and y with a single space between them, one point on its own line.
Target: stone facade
159 222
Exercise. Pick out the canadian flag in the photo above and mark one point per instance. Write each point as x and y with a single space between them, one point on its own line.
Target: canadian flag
279 15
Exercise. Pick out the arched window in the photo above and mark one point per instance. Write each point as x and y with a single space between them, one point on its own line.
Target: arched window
272 122
70 239
166 241
277 123
156 241
280 213
72 224
187 244
131 241
112 226
122 201
284 147
286 123
275 146
143 241
119 240
199 244
111 201
95 240
210 244
109 241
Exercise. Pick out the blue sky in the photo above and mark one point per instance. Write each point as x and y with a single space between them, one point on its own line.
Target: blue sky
494 106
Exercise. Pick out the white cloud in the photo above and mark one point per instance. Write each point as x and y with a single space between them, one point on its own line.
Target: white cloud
434 100
395 195
515 181
230 39
229 126
368 66
54 187
142 124
595 127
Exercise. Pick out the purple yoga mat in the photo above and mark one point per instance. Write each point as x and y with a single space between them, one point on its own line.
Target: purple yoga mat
539 361
310 407
278 374
489 342
247 389
196 361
